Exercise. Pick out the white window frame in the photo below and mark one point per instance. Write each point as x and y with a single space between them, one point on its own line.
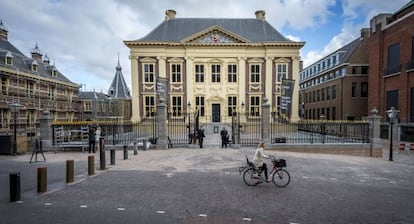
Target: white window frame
176 71
254 109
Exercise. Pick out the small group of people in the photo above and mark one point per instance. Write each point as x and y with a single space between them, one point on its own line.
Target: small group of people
199 136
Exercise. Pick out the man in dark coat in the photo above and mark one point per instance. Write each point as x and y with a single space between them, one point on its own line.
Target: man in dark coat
200 136
224 137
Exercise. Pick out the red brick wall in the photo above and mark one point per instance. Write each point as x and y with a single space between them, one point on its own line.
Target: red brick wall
400 32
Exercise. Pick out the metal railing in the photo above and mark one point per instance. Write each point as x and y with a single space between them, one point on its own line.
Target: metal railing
319 131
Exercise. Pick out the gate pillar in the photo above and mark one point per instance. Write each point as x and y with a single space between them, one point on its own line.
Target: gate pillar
265 122
162 142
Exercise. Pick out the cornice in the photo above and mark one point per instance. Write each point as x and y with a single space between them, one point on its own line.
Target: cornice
132 44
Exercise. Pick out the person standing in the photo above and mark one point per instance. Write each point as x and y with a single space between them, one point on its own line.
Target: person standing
224 137
200 136
92 138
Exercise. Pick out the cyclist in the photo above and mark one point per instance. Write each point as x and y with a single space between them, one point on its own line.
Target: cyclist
258 159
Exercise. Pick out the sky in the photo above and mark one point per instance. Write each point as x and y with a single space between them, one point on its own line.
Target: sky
83 38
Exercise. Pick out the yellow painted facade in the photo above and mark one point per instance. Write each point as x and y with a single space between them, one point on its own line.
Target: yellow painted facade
215 71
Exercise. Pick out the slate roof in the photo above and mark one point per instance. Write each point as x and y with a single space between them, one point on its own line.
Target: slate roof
177 29
91 95
24 64
119 88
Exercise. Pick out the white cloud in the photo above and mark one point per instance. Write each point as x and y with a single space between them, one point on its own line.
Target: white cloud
292 38
348 34
353 22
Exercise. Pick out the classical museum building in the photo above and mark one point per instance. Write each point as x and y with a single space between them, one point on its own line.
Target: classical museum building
213 65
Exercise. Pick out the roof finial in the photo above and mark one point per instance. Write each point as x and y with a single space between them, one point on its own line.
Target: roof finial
118 67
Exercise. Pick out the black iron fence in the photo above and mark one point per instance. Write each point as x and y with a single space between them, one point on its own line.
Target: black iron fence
248 127
181 129
319 131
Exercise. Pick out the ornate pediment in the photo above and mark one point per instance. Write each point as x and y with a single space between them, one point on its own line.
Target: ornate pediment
214 35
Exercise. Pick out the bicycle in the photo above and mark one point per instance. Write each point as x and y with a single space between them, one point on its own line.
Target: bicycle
252 175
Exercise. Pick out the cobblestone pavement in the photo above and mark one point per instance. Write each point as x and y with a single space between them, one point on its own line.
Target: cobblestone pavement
204 186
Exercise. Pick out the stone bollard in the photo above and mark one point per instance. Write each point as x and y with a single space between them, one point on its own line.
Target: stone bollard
42 179
91 165
70 171
102 156
135 148
14 179
125 152
112 156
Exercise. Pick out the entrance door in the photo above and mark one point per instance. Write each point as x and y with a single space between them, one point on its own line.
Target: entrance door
215 108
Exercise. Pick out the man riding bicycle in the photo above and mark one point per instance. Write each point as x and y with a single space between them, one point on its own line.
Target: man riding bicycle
258 159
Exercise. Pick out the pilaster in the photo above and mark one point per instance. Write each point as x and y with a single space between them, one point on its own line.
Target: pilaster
295 95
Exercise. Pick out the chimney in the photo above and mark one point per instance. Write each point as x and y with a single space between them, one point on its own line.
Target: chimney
36 54
170 14
365 33
3 31
260 14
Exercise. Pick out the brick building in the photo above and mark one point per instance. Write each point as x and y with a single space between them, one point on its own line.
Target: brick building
391 79
336 86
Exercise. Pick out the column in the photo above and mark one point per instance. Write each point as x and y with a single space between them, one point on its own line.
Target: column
134 84
295 96
162 142
374 130
189 76
269 81
242 87
265 122
46 131
161 67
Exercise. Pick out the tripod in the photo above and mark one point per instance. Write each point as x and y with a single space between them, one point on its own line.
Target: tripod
38 149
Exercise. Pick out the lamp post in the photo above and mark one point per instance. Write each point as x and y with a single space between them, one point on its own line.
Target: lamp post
392 114
15 107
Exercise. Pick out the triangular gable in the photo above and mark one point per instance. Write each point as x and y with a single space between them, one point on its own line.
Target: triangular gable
215 34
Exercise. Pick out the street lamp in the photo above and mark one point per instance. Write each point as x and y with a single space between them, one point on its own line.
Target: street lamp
392 114
15 107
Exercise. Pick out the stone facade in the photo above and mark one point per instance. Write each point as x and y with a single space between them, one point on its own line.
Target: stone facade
215 68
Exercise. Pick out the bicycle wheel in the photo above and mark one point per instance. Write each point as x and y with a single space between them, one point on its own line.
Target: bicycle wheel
281 178
248 177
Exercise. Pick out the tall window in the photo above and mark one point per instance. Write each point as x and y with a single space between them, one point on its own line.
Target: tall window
232 73
231 105
254 106
148 72
254 73
281 72
31 118
149 106
34 66
87 106
393 65
176 73
9 59
52 93
318 95
215 73
354 89
323 94
364 89
328 93
333 92
176 106
333 113
29 89
200 104
4 120
4 86
392 99
199 73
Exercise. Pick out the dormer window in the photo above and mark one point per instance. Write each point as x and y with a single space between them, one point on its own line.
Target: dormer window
34 66
8 59
54 73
